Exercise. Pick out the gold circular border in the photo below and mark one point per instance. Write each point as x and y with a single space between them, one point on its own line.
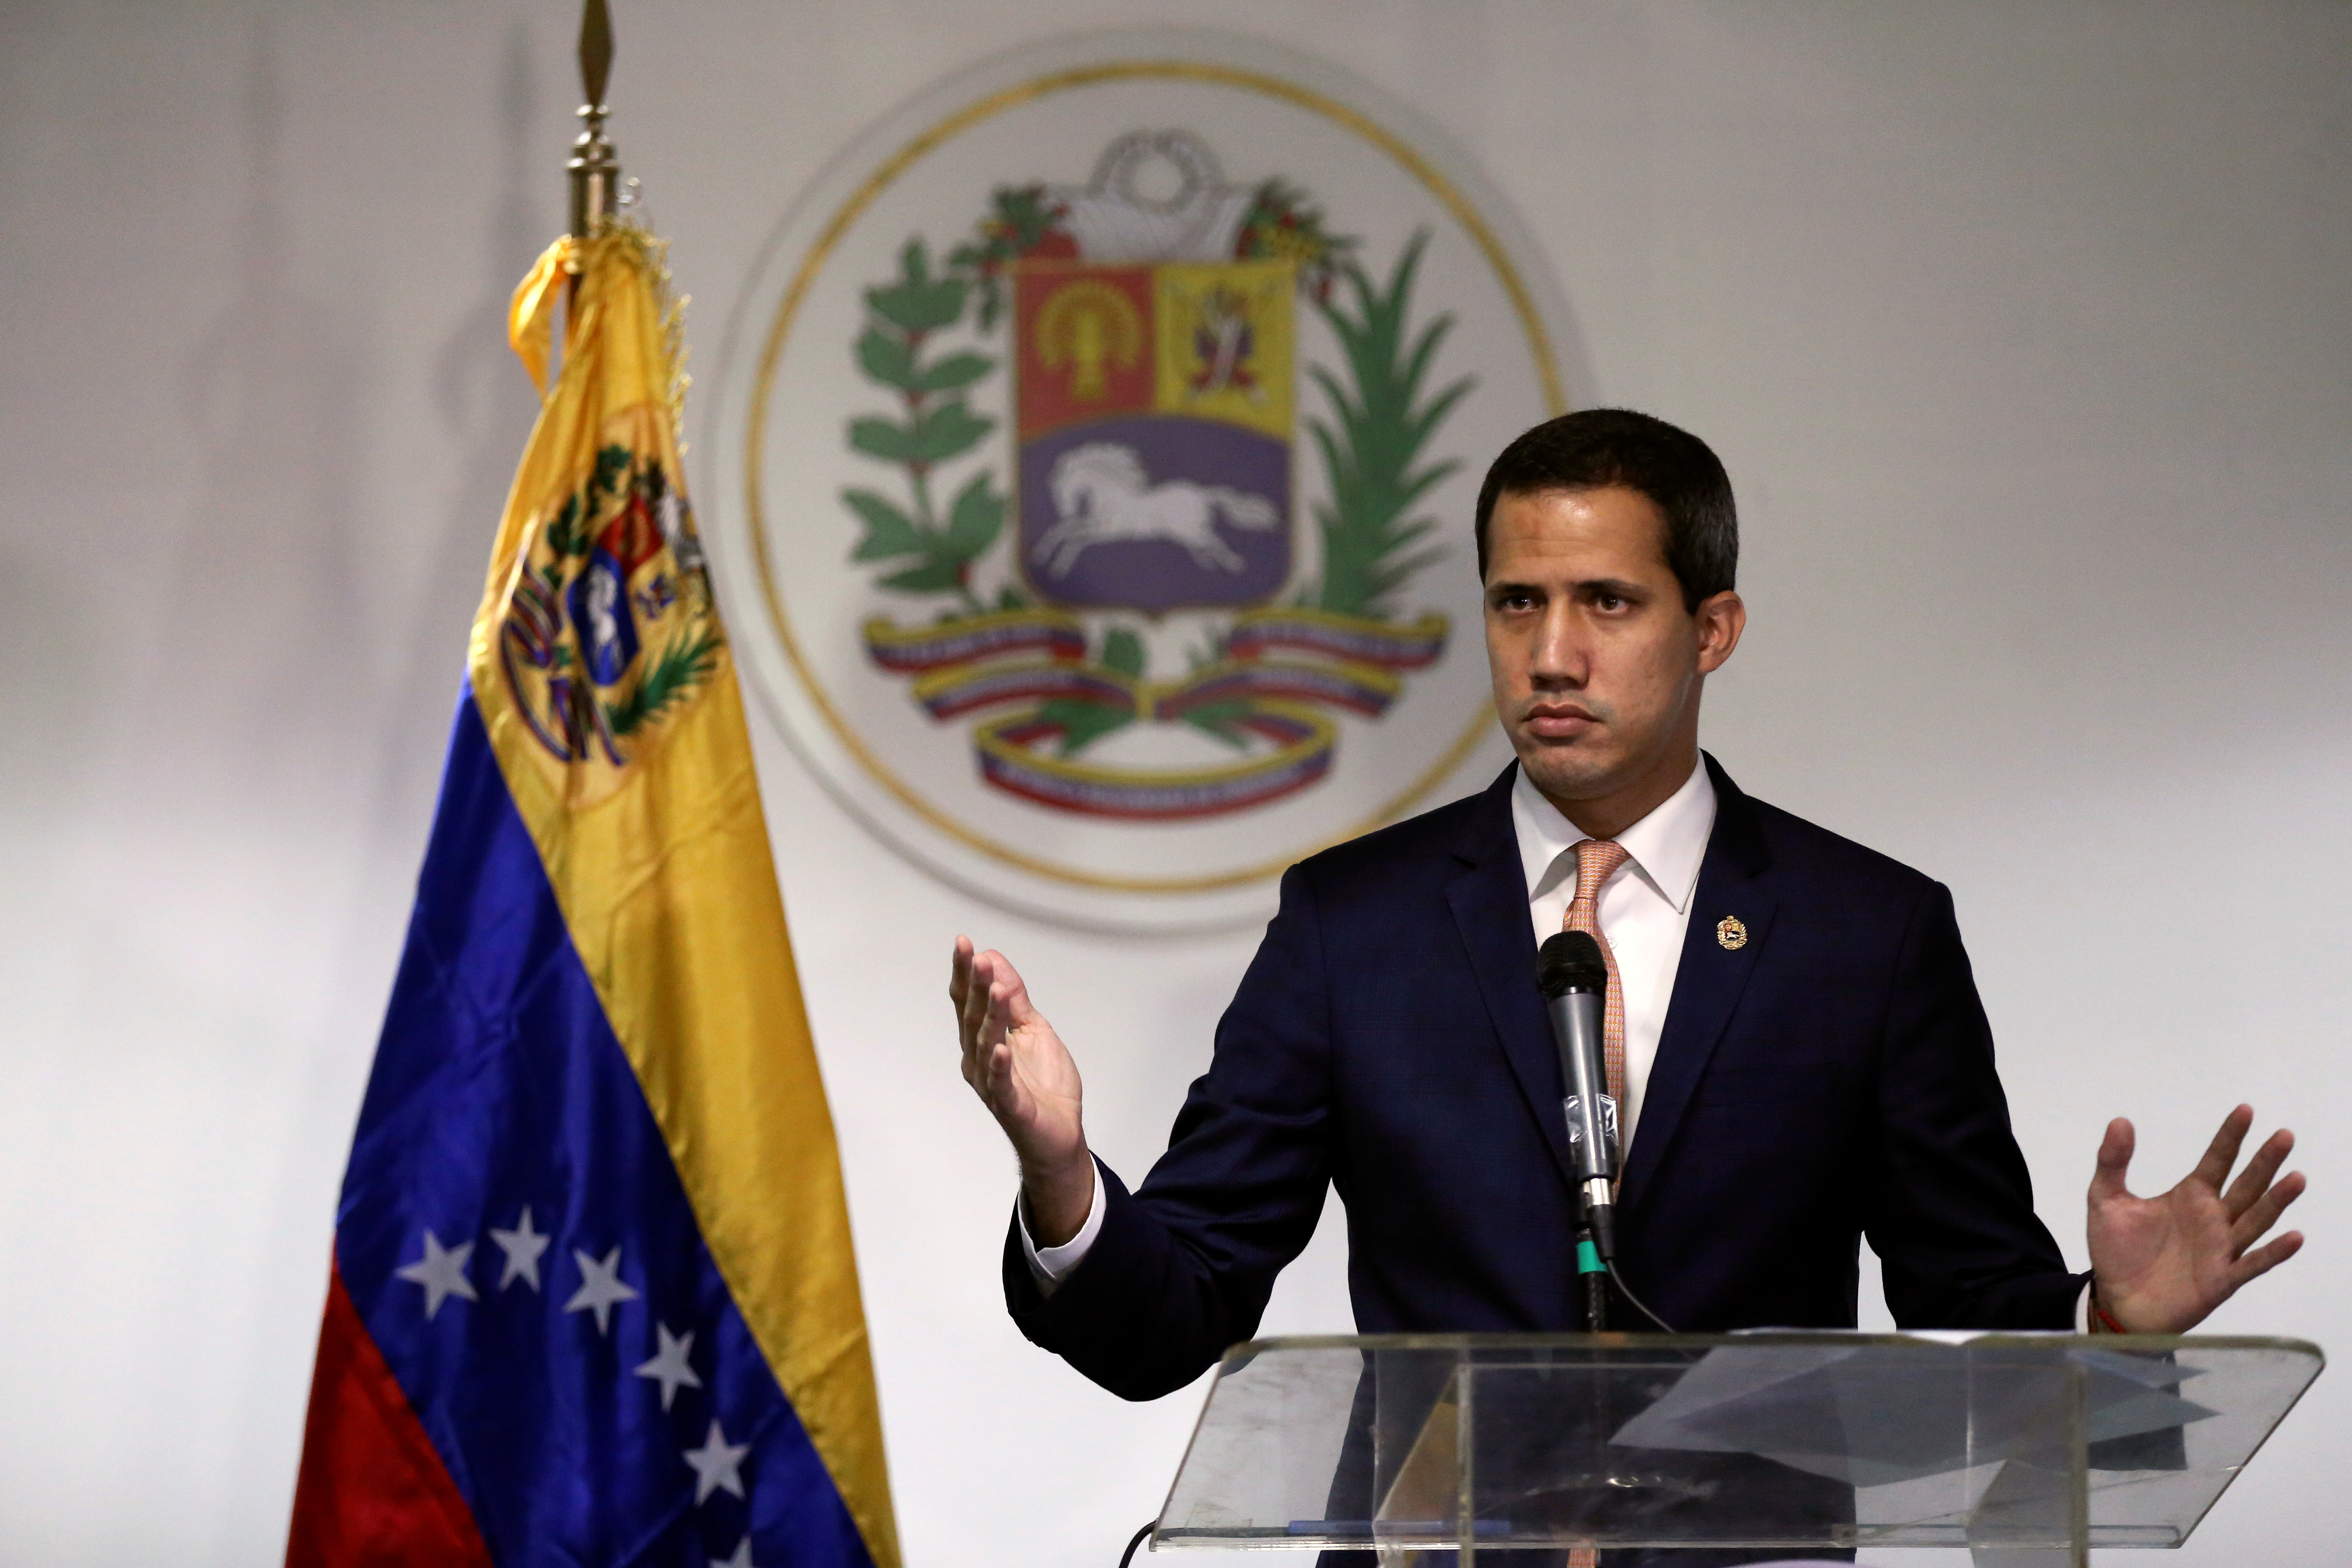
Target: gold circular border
962 119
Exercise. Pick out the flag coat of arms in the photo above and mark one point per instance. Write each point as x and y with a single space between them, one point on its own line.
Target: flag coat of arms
592 1298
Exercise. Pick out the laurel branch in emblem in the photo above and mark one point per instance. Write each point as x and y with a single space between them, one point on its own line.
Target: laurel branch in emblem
1148 338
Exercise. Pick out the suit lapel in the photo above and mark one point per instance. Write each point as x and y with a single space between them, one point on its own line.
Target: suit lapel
1708 980
1490 907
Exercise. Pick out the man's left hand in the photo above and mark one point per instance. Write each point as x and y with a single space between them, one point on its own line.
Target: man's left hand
2163 1264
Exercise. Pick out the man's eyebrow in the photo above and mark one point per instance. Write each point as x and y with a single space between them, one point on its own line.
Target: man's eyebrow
1621 587
1617 586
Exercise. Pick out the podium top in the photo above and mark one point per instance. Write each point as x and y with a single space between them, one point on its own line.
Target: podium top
1761 1440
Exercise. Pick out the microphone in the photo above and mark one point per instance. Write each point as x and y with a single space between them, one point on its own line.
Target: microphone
1574 978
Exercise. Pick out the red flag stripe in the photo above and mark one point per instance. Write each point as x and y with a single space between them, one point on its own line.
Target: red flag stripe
372 1491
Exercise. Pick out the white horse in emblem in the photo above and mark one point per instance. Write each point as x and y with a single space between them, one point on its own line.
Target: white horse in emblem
1102 494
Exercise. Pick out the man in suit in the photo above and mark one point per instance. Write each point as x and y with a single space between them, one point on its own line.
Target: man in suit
1796 1043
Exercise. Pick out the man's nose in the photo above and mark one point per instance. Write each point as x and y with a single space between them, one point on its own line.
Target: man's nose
1558 657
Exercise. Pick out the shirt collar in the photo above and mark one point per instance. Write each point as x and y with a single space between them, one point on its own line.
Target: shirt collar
1666 846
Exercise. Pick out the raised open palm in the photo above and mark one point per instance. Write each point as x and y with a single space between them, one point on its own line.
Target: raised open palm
1023 1074
2164 1263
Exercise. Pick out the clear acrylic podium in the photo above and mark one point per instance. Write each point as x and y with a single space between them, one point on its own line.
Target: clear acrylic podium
2027 1449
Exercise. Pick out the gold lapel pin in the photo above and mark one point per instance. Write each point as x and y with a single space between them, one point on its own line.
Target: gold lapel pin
1731 933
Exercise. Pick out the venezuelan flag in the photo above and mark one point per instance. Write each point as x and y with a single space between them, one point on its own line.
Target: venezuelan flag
592 1298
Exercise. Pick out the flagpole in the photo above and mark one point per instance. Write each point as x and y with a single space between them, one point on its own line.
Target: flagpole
595 173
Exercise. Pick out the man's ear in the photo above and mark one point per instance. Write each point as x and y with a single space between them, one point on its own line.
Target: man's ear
1721 618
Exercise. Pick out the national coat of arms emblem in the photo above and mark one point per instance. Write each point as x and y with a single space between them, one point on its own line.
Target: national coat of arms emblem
1150 344
1144 506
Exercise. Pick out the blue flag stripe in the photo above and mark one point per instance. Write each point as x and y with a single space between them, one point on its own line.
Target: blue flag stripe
498 1088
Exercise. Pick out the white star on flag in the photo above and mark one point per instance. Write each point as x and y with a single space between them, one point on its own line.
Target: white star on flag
522 1246
718 1464
442 1272
743 1558
600 1288
669 1366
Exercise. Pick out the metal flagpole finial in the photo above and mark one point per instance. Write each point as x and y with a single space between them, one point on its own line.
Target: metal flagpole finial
595 173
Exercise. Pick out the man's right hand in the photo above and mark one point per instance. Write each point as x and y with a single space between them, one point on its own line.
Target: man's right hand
1023 1074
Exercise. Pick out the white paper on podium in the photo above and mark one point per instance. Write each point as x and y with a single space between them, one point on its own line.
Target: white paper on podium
1876 1414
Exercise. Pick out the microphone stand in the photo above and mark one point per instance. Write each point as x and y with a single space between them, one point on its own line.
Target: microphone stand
1594 1276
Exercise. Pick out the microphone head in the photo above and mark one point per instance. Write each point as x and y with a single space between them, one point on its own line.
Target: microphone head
1568 962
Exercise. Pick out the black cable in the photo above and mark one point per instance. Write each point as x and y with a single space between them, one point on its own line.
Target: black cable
1128 1555
1614 1274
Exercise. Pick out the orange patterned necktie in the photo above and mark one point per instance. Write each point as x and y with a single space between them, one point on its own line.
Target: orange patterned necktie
1597 860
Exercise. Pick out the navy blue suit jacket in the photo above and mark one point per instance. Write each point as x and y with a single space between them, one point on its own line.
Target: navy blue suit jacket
1830 1078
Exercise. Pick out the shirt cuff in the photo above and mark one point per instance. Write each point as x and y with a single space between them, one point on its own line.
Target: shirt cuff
1050 1265
2082 1304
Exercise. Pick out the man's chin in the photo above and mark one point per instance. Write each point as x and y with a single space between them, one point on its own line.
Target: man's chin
1567 772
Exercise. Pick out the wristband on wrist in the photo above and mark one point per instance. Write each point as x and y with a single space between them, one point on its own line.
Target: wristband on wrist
2102 1320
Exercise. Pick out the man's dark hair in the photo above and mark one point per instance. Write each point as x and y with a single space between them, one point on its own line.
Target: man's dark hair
1594 448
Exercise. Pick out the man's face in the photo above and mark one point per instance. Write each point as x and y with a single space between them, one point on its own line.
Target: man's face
1597 665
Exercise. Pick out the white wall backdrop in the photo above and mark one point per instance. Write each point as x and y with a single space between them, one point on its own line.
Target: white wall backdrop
2026 329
